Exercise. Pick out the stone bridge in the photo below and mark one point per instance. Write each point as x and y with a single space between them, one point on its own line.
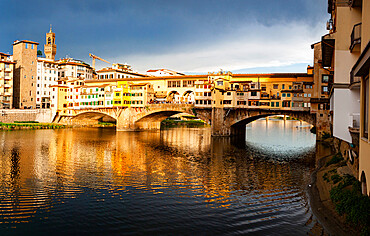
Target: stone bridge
224 121
228 122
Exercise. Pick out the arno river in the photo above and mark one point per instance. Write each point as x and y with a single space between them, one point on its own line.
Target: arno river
175 182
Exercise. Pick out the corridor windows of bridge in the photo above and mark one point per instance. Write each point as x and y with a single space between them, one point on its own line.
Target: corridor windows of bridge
283 95
188 83
286 104
174 84
288 95
365 108
264 103
253 93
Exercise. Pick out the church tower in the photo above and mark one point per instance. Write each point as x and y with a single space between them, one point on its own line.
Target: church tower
50 48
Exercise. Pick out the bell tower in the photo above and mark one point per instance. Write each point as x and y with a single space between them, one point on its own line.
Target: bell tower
50 48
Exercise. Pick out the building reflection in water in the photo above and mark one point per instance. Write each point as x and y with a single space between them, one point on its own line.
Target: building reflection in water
41 169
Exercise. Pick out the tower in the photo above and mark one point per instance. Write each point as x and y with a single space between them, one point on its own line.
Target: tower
50 48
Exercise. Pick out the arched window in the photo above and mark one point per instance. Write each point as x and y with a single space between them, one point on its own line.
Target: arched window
49 40
363 183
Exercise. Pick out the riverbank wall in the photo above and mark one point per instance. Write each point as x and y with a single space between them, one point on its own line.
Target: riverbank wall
38 115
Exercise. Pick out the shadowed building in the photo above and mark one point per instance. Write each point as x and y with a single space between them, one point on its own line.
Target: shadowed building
25 73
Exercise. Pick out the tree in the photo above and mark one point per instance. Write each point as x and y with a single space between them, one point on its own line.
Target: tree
39 53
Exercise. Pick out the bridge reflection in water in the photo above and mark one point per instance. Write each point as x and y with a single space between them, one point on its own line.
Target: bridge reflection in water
173 181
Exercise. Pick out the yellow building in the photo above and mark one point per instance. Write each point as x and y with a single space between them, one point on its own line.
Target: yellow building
122 94
360 74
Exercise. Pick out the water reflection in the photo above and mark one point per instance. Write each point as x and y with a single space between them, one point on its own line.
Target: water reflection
168 182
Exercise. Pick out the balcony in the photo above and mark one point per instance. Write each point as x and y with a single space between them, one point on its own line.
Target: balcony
355 121
355 36
355 3
7 77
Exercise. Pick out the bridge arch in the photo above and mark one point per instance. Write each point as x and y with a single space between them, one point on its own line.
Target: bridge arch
92 117
248 120
173 96
231 121
188 96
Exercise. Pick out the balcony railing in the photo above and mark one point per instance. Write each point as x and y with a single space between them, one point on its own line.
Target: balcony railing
355 120
355 36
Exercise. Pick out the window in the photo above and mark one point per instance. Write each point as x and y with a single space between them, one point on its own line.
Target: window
288 95
174 84
26 45
32 48
324 89
254 93
188 83
220 83
283 94
283 86
325 79
276 86
365 109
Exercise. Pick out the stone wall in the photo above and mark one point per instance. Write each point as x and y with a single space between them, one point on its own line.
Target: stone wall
40 115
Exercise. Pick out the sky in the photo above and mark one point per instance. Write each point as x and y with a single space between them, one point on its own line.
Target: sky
189 36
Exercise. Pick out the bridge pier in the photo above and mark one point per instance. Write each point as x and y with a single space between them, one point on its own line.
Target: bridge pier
218 125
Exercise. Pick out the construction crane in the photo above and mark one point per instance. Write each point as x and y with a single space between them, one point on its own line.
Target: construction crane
96 57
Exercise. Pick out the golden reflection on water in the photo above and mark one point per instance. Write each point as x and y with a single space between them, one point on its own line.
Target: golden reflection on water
41 168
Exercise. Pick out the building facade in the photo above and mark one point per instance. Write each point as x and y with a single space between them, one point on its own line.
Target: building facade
6 81
25 74
343 54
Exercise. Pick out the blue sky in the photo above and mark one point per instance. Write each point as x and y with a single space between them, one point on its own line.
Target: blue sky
192 36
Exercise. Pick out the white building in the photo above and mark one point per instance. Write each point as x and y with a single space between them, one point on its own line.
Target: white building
163 72
47 75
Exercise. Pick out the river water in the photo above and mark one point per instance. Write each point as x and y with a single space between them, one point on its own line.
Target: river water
179 181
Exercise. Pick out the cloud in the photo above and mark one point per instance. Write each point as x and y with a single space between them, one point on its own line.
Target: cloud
251 46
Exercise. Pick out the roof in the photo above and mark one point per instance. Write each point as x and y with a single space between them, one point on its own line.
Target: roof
47 60
140 84
165 70
118 70
8 62
273 75
5 54
24 41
